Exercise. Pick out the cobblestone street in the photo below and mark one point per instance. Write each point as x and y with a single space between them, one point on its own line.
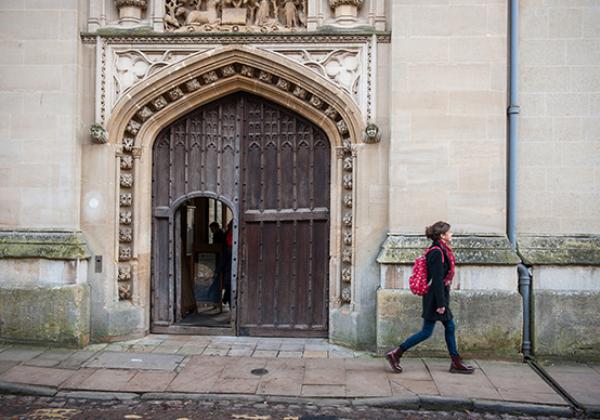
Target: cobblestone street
38 408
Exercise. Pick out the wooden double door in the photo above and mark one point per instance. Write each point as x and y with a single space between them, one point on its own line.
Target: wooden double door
272 168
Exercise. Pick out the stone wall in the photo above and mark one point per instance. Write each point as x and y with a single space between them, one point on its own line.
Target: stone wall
40 156
447 113
559 170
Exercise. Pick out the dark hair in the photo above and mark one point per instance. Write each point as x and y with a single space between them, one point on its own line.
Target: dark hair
435 231
214 224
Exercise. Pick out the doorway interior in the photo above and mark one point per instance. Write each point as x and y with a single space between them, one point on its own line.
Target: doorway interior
205 242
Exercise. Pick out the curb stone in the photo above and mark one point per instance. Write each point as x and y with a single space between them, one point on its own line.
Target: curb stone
98 395
434 402
410 403
520 408
427 402
320 402
23 389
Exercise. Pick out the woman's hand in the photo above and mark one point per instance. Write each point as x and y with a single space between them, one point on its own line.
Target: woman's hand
441 310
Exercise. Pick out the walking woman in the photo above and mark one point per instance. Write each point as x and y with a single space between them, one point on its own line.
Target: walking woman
440 272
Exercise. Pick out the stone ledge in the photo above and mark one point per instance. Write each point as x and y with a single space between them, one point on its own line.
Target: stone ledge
469 249
559 250
54 245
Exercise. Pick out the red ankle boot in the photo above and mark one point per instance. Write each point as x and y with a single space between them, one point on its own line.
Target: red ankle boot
457 366
393 357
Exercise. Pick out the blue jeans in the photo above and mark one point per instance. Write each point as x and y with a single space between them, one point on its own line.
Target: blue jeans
426 332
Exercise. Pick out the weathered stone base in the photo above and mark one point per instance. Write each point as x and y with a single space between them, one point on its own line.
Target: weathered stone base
488 322
567 323
50 315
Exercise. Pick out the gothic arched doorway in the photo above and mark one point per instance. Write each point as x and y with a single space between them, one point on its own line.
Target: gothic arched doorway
272 167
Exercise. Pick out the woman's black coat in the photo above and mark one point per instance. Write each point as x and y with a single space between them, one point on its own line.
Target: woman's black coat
438 295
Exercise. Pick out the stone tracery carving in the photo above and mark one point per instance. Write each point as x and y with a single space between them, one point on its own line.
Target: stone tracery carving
235 15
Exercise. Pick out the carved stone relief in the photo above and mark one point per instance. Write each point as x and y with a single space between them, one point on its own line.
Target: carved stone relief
235 15
133 65
129 66
341 66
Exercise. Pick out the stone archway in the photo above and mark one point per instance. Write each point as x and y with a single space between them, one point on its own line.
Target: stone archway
172 92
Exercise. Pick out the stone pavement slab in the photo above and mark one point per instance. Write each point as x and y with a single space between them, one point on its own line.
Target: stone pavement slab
362 383
581 381
76 360
36 375
150 381
320 391
7 364
518 382
107 380
21 353
125 360
476 385
50 358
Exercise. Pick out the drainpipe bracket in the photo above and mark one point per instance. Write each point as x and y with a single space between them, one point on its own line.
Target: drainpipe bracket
514 109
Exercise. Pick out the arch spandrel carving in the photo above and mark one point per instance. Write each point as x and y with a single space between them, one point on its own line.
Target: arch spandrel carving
175 90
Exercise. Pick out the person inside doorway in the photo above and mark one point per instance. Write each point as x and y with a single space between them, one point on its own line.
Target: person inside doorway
227 264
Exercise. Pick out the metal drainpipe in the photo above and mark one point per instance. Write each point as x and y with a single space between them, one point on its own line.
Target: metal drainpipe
513 113
513 132
525 291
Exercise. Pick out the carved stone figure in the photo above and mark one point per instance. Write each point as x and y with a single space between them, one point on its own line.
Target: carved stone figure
348 181
348 163
347 275
175 94
372 134
235 15
126 162
159 103
342 126
124 272
124 291
133 127
192 85
127 143
348 200
125 234
348 238
99 133
347 256
228 71
124 253
290 13
125 199
125 217
126 180
348 219
210 77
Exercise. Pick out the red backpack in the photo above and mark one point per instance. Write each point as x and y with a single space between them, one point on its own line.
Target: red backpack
418 280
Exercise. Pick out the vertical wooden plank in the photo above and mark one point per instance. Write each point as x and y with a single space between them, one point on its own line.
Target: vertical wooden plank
303 272
319 286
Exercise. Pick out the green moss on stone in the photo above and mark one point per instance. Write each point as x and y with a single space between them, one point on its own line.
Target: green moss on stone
469 249
488 322
560 250
46 315
43 244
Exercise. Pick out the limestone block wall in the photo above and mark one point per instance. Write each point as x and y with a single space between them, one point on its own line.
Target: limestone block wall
40 156
447 113
559 169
